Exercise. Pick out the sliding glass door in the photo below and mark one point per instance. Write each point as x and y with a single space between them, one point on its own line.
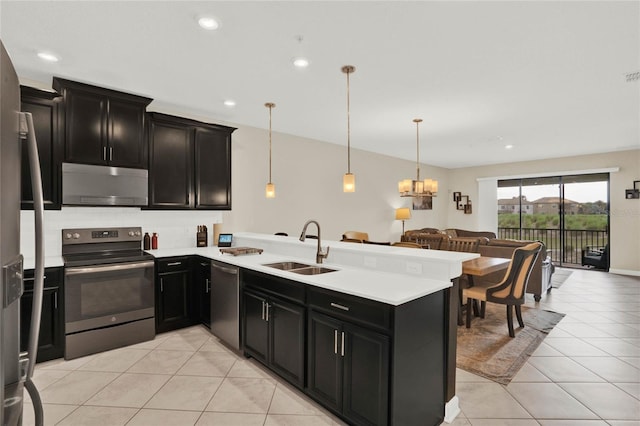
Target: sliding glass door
567 213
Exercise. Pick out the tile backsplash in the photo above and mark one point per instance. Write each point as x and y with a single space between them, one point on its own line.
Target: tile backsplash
175 228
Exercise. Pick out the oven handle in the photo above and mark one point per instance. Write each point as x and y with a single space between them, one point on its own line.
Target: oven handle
108 268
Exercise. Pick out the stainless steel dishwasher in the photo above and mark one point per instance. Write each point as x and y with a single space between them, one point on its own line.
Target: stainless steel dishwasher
225 303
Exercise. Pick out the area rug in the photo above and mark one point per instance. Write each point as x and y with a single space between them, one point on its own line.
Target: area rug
559 277
487 350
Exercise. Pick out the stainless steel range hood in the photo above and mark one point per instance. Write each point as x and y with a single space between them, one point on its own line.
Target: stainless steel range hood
89 185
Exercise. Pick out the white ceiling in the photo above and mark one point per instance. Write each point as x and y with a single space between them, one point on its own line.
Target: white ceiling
546 77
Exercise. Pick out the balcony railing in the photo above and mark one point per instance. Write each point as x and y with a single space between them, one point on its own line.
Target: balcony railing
563 251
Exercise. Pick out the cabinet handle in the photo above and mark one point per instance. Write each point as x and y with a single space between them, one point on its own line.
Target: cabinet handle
55 301
161 285
174 263
110 153
204 264
335 305
342 345
267 313
335 341
207 286
104 153
263 310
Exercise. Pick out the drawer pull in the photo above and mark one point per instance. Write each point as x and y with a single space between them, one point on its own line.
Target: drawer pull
174 263
335 305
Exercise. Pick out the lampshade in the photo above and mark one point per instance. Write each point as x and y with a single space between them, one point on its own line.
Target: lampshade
270 191
403 213
349 182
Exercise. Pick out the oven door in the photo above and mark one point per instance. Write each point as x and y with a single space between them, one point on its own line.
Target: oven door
105 295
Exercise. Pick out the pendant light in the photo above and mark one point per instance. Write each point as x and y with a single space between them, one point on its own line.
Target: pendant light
417 187
349 179
270 190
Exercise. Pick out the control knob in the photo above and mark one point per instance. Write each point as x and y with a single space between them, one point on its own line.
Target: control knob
68 236
76 235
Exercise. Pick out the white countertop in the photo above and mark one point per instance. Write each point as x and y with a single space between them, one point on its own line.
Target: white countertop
370 283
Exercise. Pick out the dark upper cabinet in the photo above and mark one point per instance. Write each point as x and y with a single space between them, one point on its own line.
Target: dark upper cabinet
102 126
43 106
170 164
213 169
189 164
51 336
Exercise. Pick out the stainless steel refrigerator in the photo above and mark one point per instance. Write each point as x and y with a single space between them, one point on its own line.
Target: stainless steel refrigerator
16 368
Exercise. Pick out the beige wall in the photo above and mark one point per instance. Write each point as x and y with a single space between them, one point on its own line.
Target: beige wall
625 214
308 179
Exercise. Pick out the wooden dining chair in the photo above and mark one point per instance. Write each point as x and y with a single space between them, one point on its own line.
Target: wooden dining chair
463 244
407 244
511 290
351 240
433 241
356 235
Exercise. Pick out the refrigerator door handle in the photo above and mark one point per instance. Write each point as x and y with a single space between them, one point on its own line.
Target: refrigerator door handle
38 207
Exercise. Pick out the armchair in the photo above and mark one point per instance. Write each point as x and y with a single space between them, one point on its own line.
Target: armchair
598 257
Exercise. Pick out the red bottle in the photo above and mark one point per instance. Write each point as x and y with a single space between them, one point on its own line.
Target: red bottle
154 241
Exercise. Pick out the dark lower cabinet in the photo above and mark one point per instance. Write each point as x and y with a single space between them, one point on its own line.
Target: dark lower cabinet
348 369
51 337
274 334
202 289
174 298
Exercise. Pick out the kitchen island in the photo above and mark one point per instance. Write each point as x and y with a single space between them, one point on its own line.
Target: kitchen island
373 340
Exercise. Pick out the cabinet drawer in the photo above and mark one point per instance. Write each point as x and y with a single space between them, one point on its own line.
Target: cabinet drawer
52 278
350 308
270 284
170 264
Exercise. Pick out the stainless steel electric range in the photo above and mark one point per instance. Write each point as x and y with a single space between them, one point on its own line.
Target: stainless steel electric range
109 290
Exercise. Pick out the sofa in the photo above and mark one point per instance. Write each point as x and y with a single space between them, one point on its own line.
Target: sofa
489 245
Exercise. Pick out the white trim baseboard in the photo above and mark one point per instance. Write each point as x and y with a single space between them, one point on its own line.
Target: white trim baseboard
451 409
625 272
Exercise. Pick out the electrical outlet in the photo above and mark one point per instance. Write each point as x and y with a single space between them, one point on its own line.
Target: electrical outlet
414 268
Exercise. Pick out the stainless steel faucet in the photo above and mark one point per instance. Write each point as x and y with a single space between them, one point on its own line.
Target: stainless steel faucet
319 254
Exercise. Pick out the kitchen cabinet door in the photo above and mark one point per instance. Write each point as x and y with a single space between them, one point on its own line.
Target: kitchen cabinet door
173 300
325 362
366 376
85 128
286 340
213 168
51 336
127 146
171 165
202 272
43 106
255 327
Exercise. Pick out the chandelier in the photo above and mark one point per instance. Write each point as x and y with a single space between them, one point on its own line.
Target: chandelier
416 187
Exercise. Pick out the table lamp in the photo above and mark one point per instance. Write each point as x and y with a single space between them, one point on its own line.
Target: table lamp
403 213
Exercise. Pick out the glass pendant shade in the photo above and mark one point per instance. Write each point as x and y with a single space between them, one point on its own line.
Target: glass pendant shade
270 190
349 182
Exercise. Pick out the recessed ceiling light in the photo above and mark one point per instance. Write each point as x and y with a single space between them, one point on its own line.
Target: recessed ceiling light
49 57
300 62
208 23
508 146
230 103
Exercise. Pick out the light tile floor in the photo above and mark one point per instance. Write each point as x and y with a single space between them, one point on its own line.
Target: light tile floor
586 372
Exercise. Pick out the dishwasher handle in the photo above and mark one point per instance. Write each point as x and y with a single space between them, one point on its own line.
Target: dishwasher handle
227 270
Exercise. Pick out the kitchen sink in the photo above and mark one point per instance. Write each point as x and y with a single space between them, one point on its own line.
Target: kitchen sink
299 268
313 270
287 266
